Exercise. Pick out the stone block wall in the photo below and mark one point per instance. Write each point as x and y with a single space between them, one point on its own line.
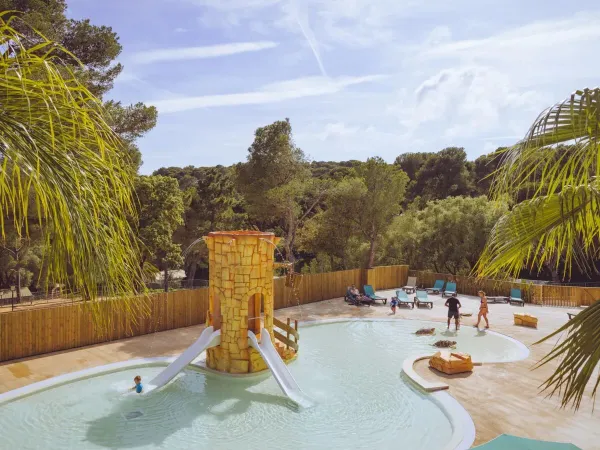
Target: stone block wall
240 276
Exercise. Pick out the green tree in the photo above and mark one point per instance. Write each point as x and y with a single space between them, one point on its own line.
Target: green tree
21 257
443 174
94 47
404 241
48 121
369 201
131 123
89 51
411 163
483 171
161 211
211 203
559 221
277 184
448 235
455 231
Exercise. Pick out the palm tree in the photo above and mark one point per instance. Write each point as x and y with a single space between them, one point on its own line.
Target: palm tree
56 147
559 225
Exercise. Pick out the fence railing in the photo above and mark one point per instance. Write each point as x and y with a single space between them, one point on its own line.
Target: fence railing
34 331
539 294
54 298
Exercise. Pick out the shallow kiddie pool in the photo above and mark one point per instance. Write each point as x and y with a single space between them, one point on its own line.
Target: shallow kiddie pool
352 369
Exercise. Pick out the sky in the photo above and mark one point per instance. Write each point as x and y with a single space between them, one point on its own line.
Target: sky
357 78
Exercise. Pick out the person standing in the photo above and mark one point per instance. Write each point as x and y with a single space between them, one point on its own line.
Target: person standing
483 310
453 305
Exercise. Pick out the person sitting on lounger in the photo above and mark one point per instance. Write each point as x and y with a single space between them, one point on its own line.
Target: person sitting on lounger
356 296
453 305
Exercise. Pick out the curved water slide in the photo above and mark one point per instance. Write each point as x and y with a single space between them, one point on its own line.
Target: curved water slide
208 338
282 375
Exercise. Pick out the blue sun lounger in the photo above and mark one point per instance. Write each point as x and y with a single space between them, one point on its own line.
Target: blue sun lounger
515 297
370 292
450 290
403 300
422 299
437 287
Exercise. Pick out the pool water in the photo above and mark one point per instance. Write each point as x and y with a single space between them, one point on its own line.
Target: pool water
351 369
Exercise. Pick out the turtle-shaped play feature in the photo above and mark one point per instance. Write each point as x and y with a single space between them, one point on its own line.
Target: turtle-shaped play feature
425 332
445 344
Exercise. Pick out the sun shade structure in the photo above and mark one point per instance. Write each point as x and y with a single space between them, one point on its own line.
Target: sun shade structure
508 442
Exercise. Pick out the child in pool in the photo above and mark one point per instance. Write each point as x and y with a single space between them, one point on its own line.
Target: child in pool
393 305
138 384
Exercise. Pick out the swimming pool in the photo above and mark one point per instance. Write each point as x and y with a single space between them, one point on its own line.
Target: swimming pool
352 369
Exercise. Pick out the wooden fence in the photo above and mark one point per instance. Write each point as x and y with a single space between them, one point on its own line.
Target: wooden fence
36 331
387 277
539 294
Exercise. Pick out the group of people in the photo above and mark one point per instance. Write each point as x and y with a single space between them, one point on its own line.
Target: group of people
355 295
453 305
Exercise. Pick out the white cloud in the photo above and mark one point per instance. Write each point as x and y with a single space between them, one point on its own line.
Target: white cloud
211 51
466 101
543 51
232 5
337 129
180 30
272 93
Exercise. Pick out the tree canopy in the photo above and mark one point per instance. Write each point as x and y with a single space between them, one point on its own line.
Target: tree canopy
49 121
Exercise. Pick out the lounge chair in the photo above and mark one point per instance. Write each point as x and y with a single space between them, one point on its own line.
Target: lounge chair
497 299
411 285
370 292
437 287
421 299
356 299
403 300
450 290
515 297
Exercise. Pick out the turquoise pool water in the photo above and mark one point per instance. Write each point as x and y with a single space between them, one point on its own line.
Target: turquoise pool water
351 369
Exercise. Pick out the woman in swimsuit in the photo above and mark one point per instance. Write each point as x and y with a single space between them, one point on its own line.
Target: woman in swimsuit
483 310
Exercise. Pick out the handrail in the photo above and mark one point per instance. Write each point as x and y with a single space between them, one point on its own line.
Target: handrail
285 340
286 327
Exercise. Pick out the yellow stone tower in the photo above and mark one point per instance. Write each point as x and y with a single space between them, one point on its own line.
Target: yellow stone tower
241 267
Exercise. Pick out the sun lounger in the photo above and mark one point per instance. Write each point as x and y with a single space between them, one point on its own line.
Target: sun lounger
411 285
437 287
515 297
370 292
450 290
421 299
497 299
357 299
403 300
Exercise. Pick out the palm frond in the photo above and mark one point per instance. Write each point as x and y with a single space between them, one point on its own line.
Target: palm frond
580 355
56 146
563 225
535 159
561 220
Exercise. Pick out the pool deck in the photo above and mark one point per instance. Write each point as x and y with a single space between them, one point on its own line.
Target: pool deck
501 398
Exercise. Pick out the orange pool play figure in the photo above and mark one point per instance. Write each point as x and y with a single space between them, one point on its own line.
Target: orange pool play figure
451 362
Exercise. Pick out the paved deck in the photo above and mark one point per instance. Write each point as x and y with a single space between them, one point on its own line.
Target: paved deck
501 398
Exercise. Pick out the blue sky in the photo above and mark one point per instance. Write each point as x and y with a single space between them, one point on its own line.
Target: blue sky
357 78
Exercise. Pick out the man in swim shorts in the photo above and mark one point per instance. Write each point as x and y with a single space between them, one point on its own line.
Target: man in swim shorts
453 305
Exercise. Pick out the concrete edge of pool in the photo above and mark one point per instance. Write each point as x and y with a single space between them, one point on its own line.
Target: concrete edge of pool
461 422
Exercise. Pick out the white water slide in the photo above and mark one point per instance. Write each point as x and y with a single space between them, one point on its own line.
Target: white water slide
280 371
208 338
